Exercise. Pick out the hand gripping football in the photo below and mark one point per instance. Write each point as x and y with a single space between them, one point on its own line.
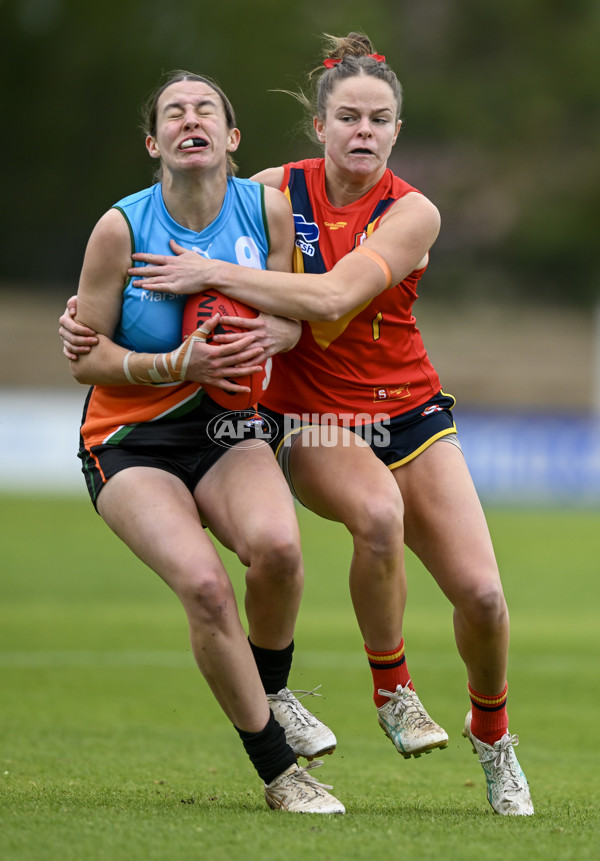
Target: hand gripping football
199 308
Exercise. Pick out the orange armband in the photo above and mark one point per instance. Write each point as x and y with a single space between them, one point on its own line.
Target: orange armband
378 259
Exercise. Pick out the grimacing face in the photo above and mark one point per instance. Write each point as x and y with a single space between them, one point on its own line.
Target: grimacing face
360 126
191 128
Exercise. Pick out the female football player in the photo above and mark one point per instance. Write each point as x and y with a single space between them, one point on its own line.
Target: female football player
152 470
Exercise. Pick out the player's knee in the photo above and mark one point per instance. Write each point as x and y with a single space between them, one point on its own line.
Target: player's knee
207 597
380 525
275 550
487 606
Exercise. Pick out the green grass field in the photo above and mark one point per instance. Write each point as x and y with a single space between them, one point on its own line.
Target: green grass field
111 746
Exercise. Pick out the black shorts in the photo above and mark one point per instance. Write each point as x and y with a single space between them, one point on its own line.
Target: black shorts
186 447
394 440
403 437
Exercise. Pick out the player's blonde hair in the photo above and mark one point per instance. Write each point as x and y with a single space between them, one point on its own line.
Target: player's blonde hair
344 57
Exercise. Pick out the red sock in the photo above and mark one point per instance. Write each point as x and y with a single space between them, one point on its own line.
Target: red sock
389 670
489 719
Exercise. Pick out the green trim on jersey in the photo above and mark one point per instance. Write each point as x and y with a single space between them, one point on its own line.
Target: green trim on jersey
131 237
180 410
264 217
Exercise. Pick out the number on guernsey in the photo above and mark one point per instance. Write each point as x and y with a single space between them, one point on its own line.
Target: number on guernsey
246 252
267 379
376 326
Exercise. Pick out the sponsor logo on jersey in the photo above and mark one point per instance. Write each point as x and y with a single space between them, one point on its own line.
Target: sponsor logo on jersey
307 233
201 251
154 296
336 225
434 408
391 393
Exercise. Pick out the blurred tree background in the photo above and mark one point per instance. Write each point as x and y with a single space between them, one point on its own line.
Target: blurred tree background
501 123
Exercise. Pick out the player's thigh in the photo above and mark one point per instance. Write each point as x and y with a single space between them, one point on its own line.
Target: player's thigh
154 513
337 476
245 501
444 521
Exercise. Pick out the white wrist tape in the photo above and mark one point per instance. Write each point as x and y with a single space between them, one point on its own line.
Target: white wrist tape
166 367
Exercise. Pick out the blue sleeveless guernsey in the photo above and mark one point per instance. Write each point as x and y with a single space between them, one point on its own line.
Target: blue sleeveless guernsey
151 322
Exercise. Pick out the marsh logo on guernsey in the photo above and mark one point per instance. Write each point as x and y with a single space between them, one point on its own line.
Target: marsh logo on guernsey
307 233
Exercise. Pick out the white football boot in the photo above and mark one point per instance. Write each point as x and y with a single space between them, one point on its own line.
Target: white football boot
404 720
305 734
507 787
298 791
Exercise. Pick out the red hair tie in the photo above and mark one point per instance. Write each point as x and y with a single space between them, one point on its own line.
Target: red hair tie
330 62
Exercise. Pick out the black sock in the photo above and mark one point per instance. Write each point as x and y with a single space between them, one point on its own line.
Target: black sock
269 752
274 666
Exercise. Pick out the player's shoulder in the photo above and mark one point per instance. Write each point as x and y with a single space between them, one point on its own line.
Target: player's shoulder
111 231
277 177
415 202
245 190
272 177
275 197
131 200
279 215
275 200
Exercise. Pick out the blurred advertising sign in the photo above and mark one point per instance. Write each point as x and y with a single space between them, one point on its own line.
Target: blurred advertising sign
532 458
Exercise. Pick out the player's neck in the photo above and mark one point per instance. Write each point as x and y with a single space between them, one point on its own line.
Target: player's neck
194 202
343 188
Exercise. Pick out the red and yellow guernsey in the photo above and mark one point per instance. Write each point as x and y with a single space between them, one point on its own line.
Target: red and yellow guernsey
372 360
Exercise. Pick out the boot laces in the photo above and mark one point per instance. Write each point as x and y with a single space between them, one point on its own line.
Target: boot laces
308 778
407 702
501 756
291 700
